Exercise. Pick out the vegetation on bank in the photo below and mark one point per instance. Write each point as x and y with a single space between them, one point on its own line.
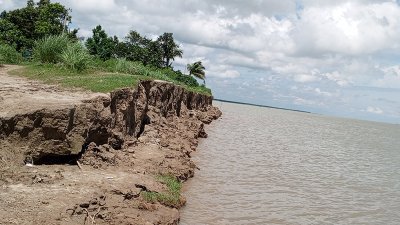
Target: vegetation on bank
37 36
170 198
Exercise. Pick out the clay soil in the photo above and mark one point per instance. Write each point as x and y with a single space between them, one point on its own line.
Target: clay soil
105 186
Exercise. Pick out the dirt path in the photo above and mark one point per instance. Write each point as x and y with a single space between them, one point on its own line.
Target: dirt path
19 95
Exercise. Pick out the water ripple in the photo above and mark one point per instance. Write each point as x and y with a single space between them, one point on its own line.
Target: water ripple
267 166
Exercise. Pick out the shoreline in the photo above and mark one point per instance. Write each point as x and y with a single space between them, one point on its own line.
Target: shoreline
122 143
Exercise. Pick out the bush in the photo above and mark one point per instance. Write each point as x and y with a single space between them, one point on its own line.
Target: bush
50 49
76 57
124 66
8 54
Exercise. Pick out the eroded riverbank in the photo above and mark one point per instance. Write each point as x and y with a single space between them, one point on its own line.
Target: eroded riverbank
88 161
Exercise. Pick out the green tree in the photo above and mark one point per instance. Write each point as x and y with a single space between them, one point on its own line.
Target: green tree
197 69
153 54
21 27
53 19
144 50
100 44
136 46
169 48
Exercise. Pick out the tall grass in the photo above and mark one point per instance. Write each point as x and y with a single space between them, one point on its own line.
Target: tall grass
8 54
124 66
50 49
76 57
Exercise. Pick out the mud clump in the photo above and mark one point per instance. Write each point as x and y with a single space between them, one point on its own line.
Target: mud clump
89 162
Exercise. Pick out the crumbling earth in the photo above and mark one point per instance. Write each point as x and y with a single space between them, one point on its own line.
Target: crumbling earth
73 157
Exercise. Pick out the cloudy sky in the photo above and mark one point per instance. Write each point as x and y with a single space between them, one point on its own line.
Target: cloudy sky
335 57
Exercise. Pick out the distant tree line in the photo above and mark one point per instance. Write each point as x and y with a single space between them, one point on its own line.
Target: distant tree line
135 47
22 28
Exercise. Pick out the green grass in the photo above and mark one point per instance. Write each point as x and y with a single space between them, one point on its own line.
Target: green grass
96 81
105 77
171 197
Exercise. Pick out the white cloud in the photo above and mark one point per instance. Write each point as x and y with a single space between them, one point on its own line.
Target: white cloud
350 28
323 93
374 110
305 78
222 72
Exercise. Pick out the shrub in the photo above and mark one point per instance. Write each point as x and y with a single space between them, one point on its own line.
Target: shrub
76 57
124 66
186 79
50 49
8 54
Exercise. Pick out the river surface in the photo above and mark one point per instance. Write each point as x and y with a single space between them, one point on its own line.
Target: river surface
269 166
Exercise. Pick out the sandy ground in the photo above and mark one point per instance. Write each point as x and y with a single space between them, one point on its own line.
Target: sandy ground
20 95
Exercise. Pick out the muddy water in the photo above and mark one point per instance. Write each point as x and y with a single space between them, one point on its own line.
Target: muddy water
267 166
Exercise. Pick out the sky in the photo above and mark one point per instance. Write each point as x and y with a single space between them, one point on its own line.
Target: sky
333 57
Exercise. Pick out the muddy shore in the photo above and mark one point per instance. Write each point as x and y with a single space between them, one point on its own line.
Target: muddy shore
69 157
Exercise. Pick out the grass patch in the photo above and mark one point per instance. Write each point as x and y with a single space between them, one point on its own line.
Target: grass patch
96 81
104 79
170 198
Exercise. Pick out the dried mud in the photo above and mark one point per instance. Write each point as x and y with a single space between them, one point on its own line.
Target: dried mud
84 158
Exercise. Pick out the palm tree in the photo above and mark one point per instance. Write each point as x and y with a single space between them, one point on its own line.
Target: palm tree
197 69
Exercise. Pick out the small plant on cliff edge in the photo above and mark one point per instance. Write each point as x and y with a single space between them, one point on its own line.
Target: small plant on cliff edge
170 198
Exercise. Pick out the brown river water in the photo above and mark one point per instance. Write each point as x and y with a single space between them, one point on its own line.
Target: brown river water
269 166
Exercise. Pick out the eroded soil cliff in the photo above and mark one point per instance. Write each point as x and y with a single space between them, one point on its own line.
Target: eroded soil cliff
84 158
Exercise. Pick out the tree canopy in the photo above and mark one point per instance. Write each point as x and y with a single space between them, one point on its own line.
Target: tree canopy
197 69
100 44
157 53
21 27
170 49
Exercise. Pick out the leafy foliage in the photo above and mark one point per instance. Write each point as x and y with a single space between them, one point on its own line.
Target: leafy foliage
100 44
170 49
142 49
21 27
197 69
8 54
76 57
49 49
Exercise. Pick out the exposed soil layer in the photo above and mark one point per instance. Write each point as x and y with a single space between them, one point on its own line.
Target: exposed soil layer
84 158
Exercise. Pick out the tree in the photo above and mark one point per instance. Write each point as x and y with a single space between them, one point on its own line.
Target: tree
53 18
21 27
153 54
144 50
136 46
197 69
169 48
100 44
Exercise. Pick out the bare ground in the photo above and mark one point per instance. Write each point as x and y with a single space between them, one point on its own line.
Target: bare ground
19 95
105 188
